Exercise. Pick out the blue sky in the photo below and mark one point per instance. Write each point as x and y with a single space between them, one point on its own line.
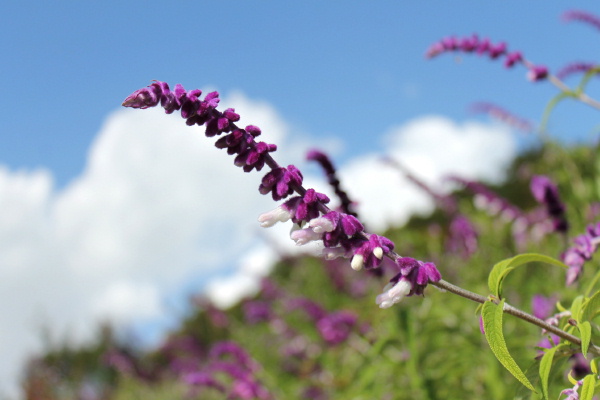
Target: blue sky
121 214
338 68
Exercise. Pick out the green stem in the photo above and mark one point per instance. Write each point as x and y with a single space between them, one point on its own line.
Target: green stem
508 309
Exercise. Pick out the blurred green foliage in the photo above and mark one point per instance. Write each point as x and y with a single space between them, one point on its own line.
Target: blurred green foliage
426 347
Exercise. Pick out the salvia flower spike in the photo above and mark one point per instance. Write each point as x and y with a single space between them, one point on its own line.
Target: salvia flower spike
342 234
473 44
582 16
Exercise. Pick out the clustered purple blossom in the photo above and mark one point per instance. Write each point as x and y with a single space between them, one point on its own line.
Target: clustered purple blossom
473 44
583 249
571 393
342 234
333 327
546 193
525 226
229 358
411 280
463 236
486 199
583 16
332 179
502 115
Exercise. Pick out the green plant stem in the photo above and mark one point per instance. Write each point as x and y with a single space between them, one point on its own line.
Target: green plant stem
508 309
584 98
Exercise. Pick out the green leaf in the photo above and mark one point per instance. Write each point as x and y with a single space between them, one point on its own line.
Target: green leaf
492 323
576 308
501 269
587 389
596 277
590 307
585 328
545 367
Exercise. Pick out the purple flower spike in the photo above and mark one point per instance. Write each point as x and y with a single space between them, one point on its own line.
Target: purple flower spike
502 115
582 250
327 165
577 67
342 233
281 182
577 15
546 193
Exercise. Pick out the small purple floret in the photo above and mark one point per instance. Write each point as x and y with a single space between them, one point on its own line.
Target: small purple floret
281 182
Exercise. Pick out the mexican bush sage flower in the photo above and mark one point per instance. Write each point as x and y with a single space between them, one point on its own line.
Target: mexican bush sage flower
583 16
584 247
474 44
342 233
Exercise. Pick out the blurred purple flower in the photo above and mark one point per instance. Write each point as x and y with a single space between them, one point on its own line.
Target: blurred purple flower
335 327
346 205
502 115
463 237
577 67
542 306
583 249
478 46
583 16
257 311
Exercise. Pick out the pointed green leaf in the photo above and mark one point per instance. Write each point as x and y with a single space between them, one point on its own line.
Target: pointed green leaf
492 323
587 389
576 308
585 328
596 277
590 307
545 367
501 269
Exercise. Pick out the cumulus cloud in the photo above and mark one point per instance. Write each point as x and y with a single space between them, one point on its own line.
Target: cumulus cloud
431 147
158 205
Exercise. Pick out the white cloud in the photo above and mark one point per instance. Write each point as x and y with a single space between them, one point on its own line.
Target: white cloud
431 148
157 204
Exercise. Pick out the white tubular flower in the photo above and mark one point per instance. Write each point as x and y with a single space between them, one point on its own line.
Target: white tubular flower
358 261
378 252
321 225
270 218
303 236
393 294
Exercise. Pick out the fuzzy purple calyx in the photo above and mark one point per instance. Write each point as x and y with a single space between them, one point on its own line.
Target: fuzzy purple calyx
369 253
306 207
412 280
281 182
